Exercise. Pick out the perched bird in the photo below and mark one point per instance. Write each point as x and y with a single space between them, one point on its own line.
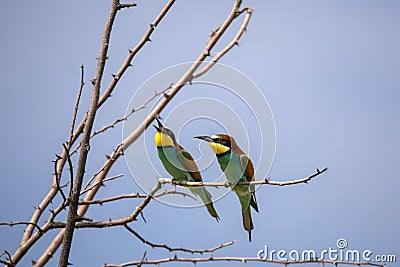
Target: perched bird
237 166
180 164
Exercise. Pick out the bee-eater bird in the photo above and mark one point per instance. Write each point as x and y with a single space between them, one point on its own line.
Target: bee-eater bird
237 166
180 164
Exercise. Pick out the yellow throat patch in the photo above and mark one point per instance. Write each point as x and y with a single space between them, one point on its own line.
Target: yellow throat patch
163 140
218 148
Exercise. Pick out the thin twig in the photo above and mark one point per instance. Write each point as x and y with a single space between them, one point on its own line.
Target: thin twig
57 179
170 249
71 169
101 183
227 184
121 6
11 224
235 41
134 195
239 259
9 261
112 199
109 162
142 260
77 105
174 192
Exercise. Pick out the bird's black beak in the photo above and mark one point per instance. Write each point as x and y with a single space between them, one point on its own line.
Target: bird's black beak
159 127
204 138
159 123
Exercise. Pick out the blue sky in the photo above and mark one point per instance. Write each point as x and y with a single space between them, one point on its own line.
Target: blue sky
328 69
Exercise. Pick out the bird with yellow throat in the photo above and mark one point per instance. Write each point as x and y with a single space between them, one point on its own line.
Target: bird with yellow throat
237 167
180 164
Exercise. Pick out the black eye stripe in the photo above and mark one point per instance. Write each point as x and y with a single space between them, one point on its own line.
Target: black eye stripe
221 141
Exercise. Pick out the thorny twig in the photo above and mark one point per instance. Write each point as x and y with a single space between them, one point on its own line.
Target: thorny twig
170 249
134 195
11 224
77 105
227 184
239 259
57 179
101 183
71 169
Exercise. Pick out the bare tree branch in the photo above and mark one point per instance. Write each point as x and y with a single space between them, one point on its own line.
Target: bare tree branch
71 169
112 199
109 223
143 258
170 249
9 262
11 224
77 105
227 184
57 180
238 259
174 192
234 42
79 129
121 6
101 183
85 143
50 225
110 161
134 195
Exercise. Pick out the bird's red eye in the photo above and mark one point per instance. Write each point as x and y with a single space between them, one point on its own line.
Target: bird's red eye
219 140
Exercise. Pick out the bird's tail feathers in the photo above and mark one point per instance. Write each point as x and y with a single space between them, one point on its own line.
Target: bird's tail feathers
247 221
206 198
253 201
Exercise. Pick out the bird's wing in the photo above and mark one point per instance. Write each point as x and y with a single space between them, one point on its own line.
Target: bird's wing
187 161
247 167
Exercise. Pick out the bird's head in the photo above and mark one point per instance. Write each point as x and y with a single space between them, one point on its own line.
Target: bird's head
164 136
219 143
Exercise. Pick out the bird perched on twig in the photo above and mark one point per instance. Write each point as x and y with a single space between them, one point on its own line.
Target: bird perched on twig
180 164
237 166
